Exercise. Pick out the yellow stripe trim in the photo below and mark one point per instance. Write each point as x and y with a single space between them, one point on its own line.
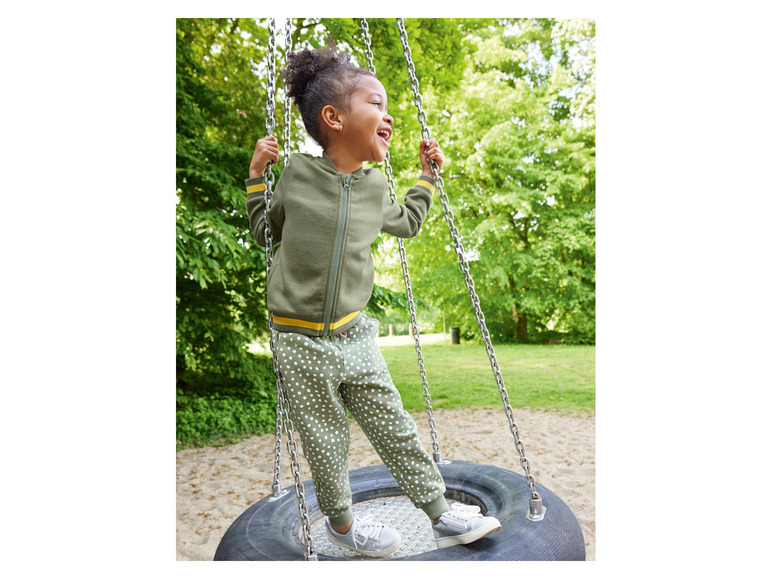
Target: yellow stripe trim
297 323
312 325
348 318
256 188
426 184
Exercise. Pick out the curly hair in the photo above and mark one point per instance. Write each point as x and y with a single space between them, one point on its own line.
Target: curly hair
317 78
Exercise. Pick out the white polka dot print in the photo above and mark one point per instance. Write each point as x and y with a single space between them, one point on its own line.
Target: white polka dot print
324 376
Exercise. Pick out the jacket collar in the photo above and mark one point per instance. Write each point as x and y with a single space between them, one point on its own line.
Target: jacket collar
330 166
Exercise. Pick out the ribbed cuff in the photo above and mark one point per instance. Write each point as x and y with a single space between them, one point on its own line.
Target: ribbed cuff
255 185
343 518
436 507
427 183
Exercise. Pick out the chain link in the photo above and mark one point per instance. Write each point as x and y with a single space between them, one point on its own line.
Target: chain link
368 44
464 265
287 99
277 492
405 272
269 125
269 106
283 406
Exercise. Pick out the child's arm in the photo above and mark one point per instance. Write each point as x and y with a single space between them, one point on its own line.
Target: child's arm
405 220
267 149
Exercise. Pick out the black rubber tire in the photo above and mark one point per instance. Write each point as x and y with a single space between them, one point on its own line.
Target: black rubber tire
269 529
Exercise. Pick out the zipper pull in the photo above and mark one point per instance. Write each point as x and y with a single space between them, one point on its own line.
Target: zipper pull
346 183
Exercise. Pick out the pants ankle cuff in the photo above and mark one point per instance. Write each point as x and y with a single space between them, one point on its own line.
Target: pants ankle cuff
342 518
436 507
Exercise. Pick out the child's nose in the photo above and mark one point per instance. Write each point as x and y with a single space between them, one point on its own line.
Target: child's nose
389 119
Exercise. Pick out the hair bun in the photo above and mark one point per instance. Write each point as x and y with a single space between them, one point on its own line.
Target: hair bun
304 66
317 78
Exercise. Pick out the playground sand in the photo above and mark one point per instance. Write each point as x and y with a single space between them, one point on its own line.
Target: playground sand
215 485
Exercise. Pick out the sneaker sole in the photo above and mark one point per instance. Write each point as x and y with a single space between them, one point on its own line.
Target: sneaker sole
375 554
490 526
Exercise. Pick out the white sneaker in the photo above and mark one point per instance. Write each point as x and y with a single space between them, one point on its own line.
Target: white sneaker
463 524
366 537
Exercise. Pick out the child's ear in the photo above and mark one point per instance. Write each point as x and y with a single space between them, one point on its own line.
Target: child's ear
331 118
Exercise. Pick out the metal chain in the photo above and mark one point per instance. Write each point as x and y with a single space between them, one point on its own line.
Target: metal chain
269 106
292 447
406 274
277 490
536 509
368 45
287 99
283 407
269 125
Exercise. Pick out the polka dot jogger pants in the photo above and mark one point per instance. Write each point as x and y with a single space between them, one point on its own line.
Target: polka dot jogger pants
324 376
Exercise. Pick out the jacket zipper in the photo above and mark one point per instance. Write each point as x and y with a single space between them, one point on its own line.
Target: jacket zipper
337 258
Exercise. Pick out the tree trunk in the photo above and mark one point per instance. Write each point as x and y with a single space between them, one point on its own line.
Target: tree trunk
521 325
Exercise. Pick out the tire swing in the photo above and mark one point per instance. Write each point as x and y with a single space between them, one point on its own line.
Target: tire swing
536 525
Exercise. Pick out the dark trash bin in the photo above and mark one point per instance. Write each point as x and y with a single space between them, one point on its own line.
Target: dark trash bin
455 335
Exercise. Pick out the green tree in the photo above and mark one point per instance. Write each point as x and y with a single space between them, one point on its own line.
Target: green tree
219 289
512 103
519 134
221 101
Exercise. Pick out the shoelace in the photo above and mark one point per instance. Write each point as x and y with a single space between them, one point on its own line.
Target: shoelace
366 528
469 510
462 513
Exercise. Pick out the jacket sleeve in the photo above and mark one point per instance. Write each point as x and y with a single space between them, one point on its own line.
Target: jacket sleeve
256 210
405 219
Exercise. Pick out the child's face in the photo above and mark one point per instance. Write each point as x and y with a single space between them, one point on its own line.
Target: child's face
367 125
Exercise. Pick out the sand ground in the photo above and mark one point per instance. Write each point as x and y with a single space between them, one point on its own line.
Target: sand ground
215 485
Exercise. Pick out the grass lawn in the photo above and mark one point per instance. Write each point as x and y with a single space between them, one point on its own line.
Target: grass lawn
554 378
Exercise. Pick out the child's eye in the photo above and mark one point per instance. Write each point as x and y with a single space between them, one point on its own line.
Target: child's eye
377 104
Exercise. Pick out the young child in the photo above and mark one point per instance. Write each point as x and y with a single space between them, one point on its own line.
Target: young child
324 215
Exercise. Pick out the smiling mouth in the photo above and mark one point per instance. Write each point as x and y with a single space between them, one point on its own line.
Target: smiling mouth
385 136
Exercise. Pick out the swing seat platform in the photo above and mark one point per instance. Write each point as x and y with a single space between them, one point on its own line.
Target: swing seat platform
270 530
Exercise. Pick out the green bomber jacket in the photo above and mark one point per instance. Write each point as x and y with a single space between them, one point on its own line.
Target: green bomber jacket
322 224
